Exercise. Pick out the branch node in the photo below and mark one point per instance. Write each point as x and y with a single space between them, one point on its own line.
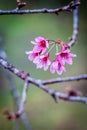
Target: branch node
20 4
54 97
72 92
23 75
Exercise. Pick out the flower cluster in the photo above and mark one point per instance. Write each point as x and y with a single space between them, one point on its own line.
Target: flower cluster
41 57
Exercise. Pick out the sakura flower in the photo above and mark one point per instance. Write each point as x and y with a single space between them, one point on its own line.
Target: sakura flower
32 55
58 66
41 44
66 56
42 61
40 56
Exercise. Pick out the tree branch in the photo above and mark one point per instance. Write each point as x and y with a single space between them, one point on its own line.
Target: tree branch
69 7
65 79
42 84
75 26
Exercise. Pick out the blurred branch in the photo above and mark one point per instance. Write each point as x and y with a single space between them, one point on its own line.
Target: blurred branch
20 112
13 89
72 5
23 100
41 84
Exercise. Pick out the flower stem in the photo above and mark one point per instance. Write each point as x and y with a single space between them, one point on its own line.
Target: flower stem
51 48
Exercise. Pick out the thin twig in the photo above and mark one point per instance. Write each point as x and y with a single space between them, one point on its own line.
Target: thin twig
65 97
65 79
68 7
23 100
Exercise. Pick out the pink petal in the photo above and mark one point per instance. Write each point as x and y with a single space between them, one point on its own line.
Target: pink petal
45 67
60 71
36 60
33 42
69 61
38 39
52 68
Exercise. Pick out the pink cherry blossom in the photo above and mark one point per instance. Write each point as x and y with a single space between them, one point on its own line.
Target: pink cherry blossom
41 44
57 66
42 61
32 55
66 56
40 57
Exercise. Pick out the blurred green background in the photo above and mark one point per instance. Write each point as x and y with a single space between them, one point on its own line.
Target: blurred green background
17 31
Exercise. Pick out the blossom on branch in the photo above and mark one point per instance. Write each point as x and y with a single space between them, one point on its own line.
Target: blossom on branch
40 55
57 66
41 44
66 56
32 55
42 61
